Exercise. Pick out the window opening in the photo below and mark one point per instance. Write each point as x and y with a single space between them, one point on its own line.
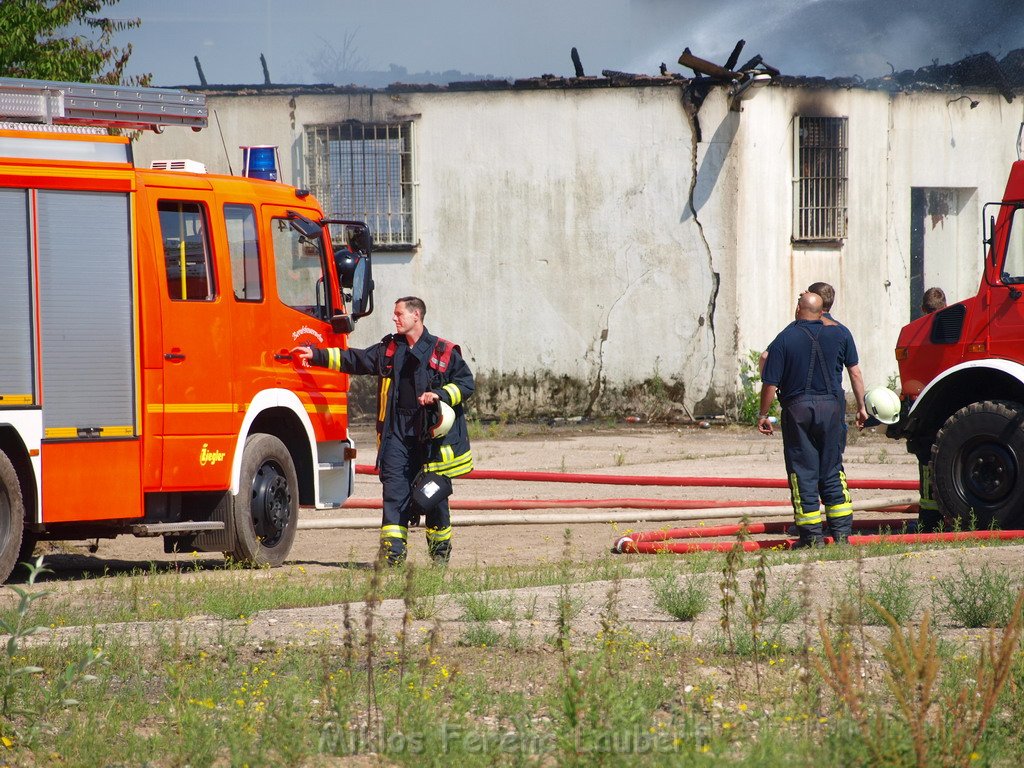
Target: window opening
820 179
186 251
363 171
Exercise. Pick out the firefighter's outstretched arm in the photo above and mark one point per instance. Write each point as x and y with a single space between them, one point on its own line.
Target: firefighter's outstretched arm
352 361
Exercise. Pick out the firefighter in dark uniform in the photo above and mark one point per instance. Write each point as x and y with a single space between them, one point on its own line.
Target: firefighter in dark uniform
804 366
417 370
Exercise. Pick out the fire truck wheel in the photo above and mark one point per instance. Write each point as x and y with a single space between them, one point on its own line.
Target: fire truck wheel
266 509
12 517
978 465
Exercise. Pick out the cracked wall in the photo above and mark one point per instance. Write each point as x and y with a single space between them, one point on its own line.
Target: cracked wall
570 241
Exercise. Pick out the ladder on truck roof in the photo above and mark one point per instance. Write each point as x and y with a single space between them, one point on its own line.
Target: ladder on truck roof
51 102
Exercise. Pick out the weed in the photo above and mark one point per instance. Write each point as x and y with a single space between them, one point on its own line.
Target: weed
941 728
479 636
484 606
682 598
750 389
729 587
756 612
13 696
422 594
983 598
893 592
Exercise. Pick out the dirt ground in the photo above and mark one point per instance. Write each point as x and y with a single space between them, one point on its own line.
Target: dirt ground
719 451
726 451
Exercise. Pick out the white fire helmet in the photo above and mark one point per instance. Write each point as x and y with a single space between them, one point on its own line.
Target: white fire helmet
440 420
883 404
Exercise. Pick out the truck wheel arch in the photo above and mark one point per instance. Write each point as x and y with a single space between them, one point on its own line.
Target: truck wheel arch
970 382
262 404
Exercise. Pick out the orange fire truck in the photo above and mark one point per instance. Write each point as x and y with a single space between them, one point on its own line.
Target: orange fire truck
145 320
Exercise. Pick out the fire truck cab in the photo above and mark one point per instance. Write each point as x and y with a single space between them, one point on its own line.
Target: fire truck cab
146 318
962 375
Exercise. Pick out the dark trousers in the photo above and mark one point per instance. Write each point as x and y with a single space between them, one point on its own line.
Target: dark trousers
812 439
401 459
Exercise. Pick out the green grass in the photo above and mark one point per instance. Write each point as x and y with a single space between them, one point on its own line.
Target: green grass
981 597
683 598
484 696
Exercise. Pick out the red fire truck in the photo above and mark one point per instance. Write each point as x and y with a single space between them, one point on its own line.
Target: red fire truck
145 320
962 372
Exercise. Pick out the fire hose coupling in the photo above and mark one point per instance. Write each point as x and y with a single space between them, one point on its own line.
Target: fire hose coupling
619 546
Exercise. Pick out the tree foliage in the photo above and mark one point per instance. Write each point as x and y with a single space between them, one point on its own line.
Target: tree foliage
64 40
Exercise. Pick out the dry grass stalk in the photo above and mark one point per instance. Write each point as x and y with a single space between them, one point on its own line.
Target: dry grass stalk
944 729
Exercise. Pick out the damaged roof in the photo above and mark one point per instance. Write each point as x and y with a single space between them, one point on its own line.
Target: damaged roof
981 72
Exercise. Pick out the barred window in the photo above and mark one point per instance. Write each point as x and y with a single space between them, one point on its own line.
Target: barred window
820 178
364 171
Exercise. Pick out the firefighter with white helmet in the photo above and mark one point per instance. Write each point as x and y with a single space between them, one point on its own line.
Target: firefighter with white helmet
421 426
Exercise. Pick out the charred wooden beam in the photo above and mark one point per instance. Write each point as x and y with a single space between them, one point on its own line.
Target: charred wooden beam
752 63
735 55
576 62
199 69
704 67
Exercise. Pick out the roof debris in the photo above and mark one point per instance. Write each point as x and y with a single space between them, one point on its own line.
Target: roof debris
978 72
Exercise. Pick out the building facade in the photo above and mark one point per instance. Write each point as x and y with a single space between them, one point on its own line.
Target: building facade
602 248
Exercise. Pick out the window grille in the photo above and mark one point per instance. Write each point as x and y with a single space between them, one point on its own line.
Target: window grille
820 179
364 171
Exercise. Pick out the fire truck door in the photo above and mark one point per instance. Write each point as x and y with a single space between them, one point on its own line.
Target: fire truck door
303 308
197 405
1006 297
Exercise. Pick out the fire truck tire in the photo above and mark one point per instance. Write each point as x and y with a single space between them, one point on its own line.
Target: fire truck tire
978 465
266 509
12 517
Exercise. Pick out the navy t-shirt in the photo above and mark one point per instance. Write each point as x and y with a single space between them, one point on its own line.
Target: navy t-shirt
789 357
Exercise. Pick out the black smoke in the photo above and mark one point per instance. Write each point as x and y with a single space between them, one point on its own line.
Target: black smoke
832 38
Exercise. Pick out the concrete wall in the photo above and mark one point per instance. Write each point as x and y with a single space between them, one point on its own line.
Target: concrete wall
557 242
591 257
896 142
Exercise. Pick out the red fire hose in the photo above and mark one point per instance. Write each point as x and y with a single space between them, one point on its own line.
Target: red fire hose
354 503
653 542
712 482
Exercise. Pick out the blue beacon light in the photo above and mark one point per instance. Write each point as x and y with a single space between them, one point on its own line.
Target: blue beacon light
260 162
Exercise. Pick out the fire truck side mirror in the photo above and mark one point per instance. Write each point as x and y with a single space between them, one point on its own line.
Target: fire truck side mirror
990 239
343 324
355 274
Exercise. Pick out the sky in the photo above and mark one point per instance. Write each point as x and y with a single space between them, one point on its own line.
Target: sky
528 38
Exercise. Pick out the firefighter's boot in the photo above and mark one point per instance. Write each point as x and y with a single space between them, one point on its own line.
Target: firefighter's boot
811 537
393 543
439 544
841 528
840 521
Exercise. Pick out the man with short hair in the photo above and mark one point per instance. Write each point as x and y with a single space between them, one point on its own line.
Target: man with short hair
417 371
933 300
803 366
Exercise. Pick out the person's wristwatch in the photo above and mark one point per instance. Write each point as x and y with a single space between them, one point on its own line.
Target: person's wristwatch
762 416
